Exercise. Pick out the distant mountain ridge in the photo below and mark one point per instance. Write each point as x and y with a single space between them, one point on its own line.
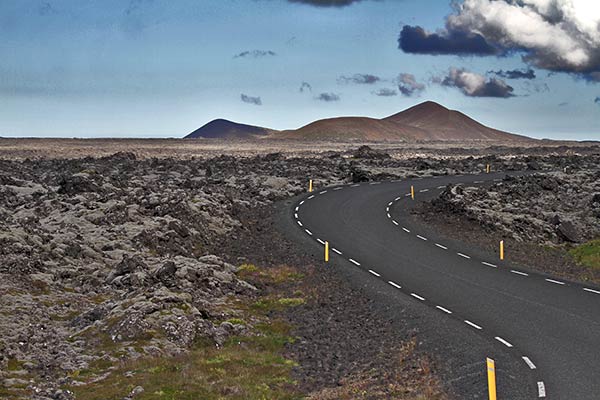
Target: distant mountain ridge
222 128
428 121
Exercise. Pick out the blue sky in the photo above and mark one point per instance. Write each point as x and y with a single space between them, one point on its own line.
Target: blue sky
154 68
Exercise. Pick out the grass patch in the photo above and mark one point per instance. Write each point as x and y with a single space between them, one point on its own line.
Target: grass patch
587 254
278 275
249 367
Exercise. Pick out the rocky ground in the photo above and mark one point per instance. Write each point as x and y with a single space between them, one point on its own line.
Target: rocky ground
118 258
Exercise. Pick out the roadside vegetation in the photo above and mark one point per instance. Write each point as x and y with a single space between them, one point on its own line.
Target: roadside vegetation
247 366
587 254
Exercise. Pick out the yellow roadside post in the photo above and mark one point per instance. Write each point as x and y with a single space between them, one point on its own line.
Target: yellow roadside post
412 192
487 169
491 373
310 188
502 249
326 251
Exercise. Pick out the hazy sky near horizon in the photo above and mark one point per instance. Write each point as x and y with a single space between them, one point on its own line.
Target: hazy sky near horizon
158 68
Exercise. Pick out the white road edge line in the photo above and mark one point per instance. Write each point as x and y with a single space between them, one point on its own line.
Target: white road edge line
424 190
302 202
443 309
528 362
395 285
440 187
441 246
323 192
394 222
591 290
489 264
405 230
553 281
397 198
389 216
518 272
387 209
356 185
541 389
320 241
299 223
309 232
374 273
416 296
504 342
421 237
463 255
354 262
297 208
390 203
336 251
473 325
312 196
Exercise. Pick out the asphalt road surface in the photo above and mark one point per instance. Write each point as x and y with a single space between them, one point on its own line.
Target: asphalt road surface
549 325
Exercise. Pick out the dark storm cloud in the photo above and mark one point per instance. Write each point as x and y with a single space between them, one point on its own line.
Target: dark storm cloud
475 85
385 92
326 3
305 87
328 97
597 100
515 74
408 85
552 35
414 39
359 79
251 100
255 54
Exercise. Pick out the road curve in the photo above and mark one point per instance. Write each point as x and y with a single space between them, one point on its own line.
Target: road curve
550 325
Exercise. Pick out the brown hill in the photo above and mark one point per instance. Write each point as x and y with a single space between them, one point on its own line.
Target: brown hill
441 123
425 121
222 128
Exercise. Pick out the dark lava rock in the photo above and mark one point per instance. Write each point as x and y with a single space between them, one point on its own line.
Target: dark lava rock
129 265
367 152
166 273
359 175
567 231
595 203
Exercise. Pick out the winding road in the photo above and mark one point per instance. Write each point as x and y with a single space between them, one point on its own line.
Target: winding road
551 326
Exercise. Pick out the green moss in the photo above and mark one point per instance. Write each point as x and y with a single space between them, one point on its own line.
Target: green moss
236 321
291 302
587 254
14 365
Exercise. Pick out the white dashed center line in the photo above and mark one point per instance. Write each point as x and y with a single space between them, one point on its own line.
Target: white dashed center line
473 325
541 389
443 309
312 196
302 202
395 285
528 362
354 262
518 272
390 203
416 296
323 192
591 290
553 281
374 273
489 264
504 342
397 198
421 237
336 251
356 185
297 208
463 255
424 190
299 223
405 230
441 246
320 241
338 188
309 232
441 187
394 222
